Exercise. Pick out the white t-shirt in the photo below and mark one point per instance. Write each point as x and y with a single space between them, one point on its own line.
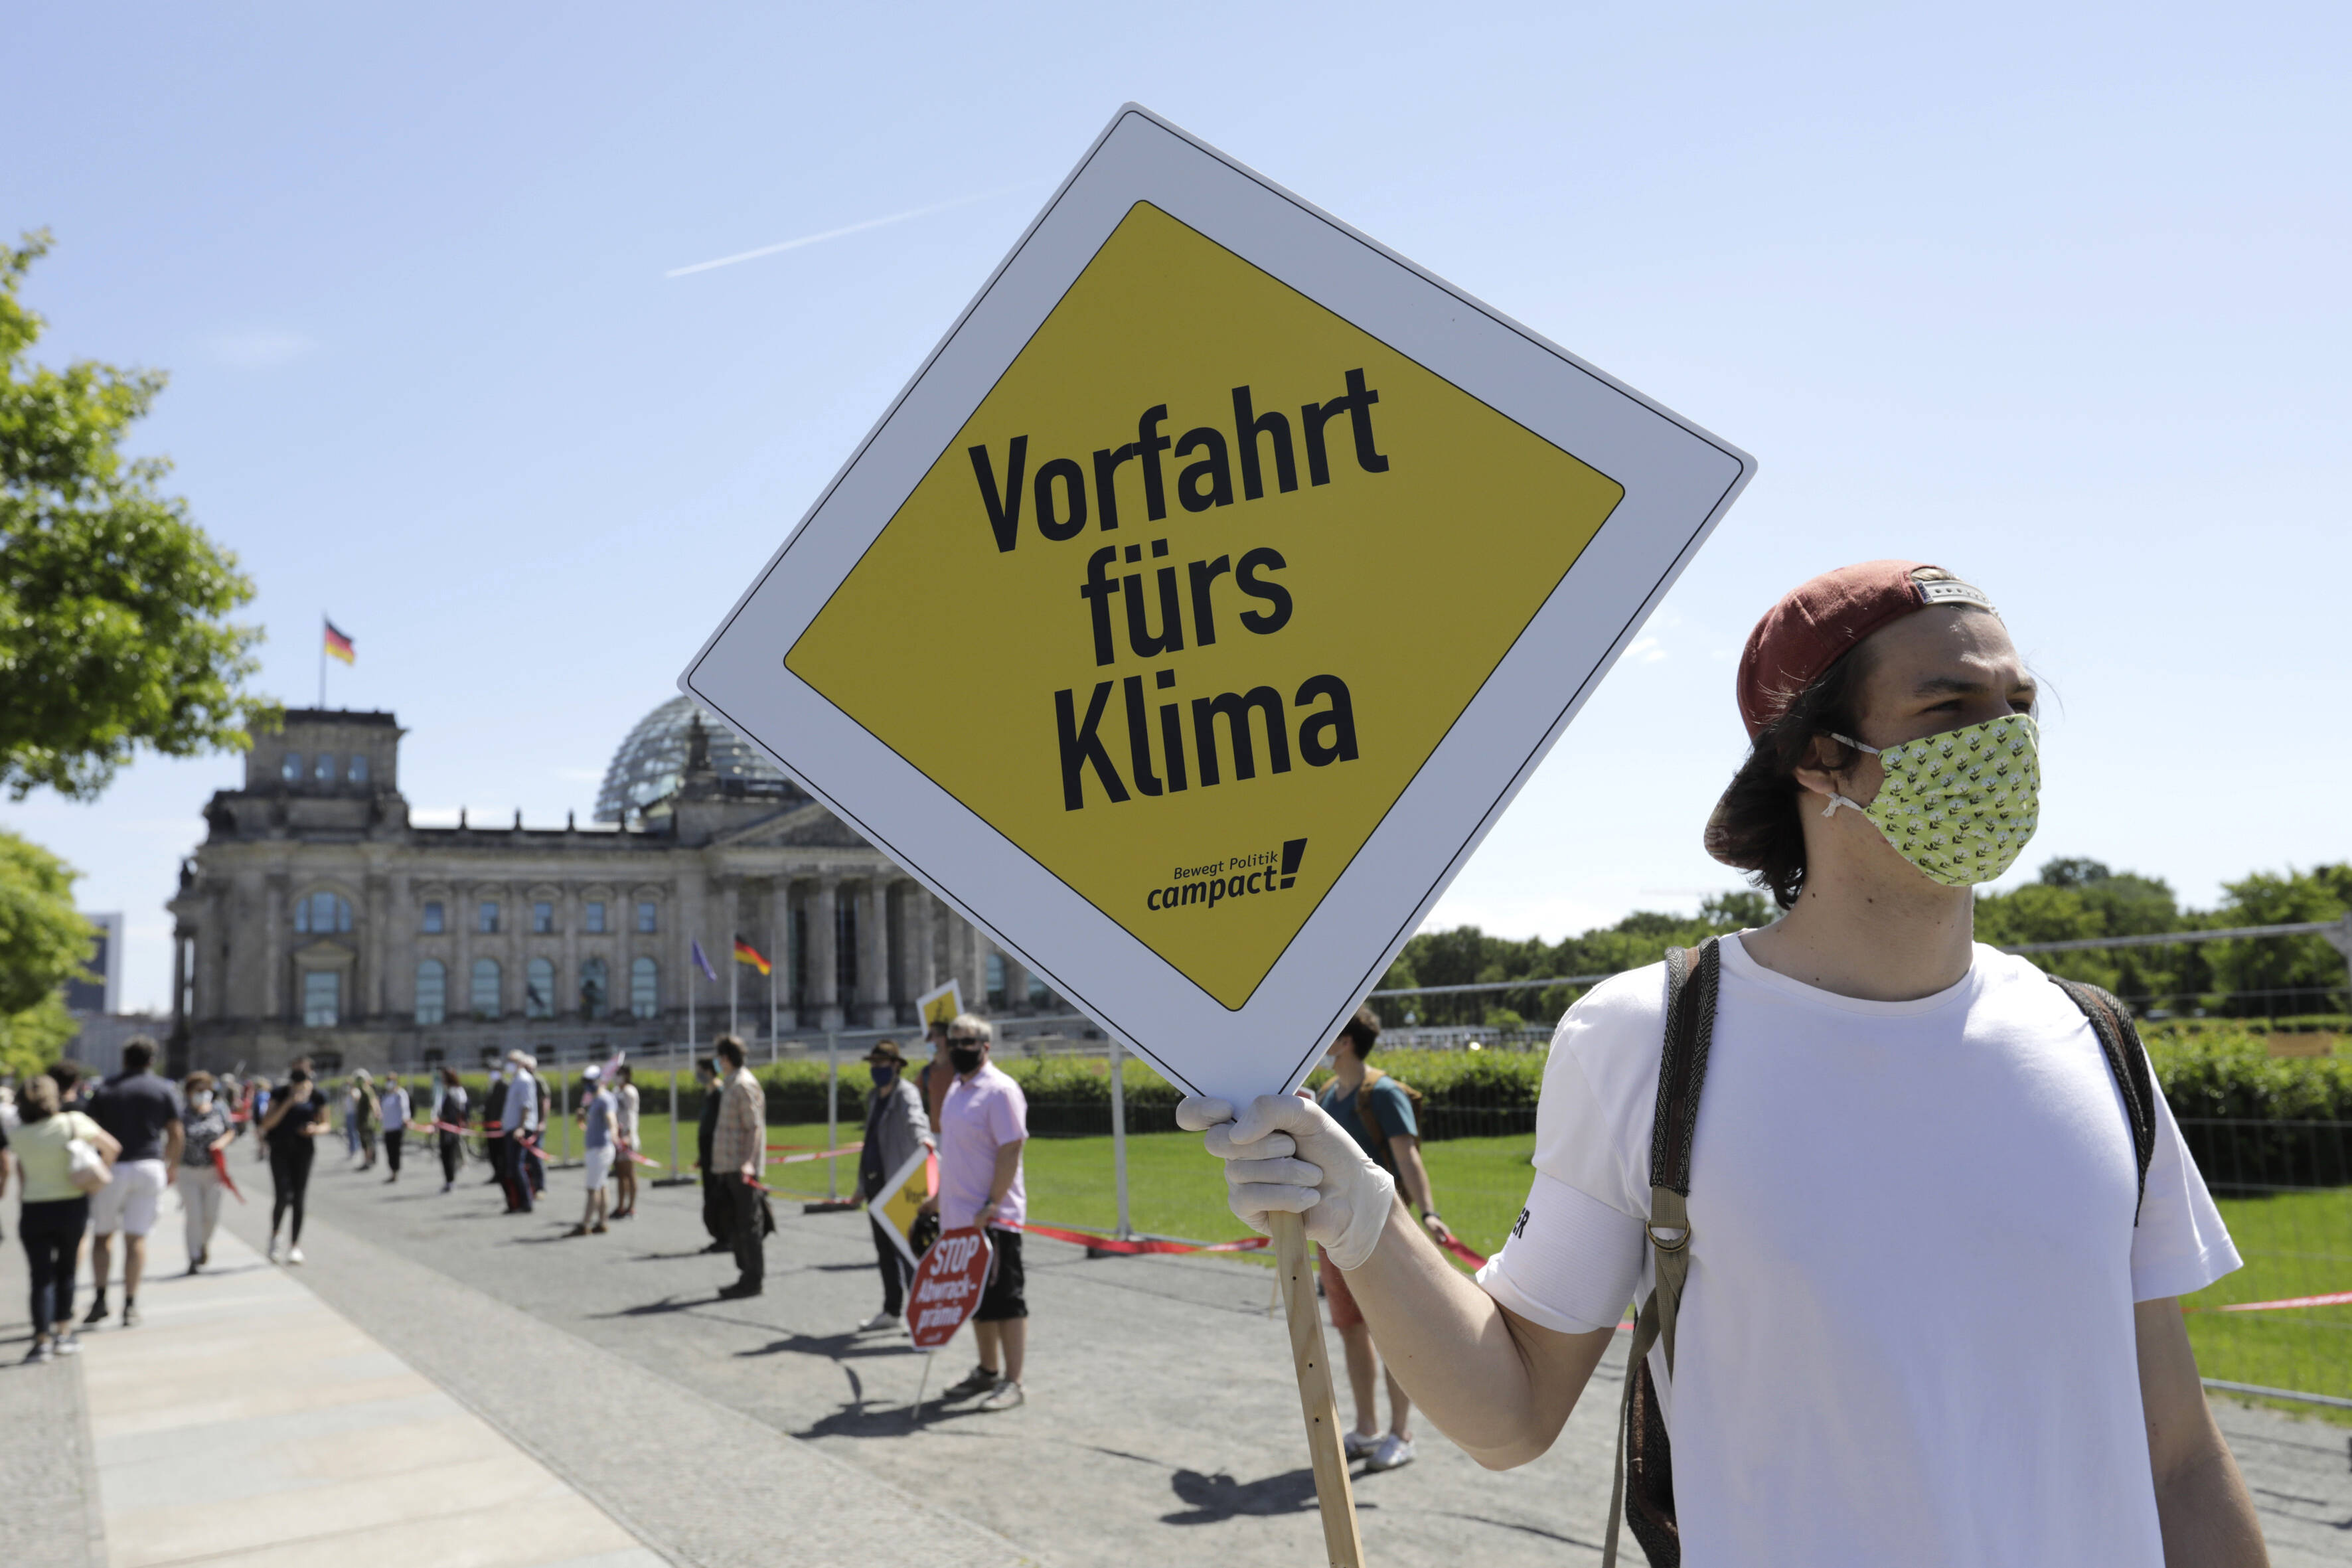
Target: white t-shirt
1907 1334
977 1116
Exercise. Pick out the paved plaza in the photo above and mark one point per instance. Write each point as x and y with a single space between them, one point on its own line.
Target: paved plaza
443 1383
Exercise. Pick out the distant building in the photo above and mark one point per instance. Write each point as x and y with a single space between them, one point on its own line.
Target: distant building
316 920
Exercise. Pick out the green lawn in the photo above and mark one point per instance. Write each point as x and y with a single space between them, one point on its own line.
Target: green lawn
2293 1244
2296 1244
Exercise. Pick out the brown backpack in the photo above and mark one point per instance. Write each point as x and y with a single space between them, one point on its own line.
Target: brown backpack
1373 1074
1642 1488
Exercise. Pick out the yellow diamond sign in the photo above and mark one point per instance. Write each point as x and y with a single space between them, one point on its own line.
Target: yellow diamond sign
1205 597
1236 566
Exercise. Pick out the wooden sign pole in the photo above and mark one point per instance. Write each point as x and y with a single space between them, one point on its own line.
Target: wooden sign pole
1342 1547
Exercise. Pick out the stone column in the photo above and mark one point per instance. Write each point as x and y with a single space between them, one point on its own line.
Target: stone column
567 981
822 928
398 993
460 1005
874 952
779 948
374 945
922 917
274 978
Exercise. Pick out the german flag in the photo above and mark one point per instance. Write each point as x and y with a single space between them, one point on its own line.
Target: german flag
745 953
339 645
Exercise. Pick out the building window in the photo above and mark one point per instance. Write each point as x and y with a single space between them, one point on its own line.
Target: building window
1040 993
436 920
486 920
486 988
539 988
595 988
322 913
648 920
432 992
542 917
644 987
326 768
291 770
322 998
995 981
592 917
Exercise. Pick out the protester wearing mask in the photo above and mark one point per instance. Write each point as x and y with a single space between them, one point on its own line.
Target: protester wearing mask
896 1131
203 1155
595 1115
983 1124
1901 1191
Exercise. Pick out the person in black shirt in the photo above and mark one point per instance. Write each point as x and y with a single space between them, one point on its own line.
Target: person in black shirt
718 1217
142 1114
449 1112
298 1115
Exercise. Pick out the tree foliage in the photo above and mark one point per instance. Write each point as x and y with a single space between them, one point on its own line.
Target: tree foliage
44 942
112 603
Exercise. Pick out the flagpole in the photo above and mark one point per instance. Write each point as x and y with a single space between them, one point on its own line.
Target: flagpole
323 658
734 990
772 1012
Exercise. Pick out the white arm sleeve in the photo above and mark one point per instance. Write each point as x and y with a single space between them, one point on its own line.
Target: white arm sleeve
2180 1245
1571 1262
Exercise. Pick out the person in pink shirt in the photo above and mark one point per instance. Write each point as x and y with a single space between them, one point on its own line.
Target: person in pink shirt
984 1123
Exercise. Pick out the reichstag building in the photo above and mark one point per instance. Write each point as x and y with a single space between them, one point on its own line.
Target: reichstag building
315 919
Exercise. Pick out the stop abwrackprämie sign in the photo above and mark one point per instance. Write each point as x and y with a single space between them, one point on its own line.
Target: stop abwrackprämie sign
1204 598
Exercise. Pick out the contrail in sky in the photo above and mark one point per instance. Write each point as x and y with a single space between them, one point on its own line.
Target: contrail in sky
852 228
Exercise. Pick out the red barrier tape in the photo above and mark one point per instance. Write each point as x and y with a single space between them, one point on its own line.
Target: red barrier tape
1460 1251
220 1168
2335 1298
819 1154
1112 1243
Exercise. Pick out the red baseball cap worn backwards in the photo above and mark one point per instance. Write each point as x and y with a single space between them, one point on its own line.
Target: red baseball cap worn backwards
1815 624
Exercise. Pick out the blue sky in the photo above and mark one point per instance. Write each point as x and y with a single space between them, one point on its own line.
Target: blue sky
2053 298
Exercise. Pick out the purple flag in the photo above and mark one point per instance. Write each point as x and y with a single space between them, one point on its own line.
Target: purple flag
703 964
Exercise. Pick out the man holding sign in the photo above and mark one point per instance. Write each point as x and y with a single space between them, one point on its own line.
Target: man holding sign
984 1123
897 1130
1923 1271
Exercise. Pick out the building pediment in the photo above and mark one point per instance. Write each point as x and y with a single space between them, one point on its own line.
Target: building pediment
806 824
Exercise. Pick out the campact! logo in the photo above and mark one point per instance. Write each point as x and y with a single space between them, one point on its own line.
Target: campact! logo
1244 876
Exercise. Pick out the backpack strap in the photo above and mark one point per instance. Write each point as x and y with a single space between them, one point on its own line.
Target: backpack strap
2111 1021
1693 976
1371 1119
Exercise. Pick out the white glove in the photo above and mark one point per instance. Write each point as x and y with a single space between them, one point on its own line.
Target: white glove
1284 1155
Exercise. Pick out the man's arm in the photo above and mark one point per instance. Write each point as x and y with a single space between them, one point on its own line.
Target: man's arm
1412 1179
1008 1166
2200 1500
1500 1386
175 1139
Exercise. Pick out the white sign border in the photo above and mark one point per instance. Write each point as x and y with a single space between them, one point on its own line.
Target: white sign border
1678 481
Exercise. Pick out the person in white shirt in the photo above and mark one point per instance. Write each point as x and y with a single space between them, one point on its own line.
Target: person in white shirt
518 1116
393 1103
1930 1312
624 1162
984 1126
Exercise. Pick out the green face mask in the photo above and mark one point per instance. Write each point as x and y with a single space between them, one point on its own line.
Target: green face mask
1961 805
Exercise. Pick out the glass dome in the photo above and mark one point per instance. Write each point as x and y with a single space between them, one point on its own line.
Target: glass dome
651 763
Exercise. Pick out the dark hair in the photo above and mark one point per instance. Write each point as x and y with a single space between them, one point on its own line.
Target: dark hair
40 1099
704 1063
138 1054
1363 1030
624 1074
1755 825
65 1074
196 1082
449 1077
730 1047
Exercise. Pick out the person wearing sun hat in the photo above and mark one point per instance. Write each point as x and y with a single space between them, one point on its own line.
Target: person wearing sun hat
1917 1249
896 1129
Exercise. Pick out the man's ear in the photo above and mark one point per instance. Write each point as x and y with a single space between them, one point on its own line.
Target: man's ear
1824 767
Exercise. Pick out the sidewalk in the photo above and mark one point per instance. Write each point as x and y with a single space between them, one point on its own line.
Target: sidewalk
245 1420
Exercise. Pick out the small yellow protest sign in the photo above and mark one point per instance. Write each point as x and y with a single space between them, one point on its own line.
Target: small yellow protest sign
1255 570
1225 547
941 1006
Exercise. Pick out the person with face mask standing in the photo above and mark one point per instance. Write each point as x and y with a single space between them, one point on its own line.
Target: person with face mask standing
208 1130
983 1124
895 1131
1880 1190
517 1113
